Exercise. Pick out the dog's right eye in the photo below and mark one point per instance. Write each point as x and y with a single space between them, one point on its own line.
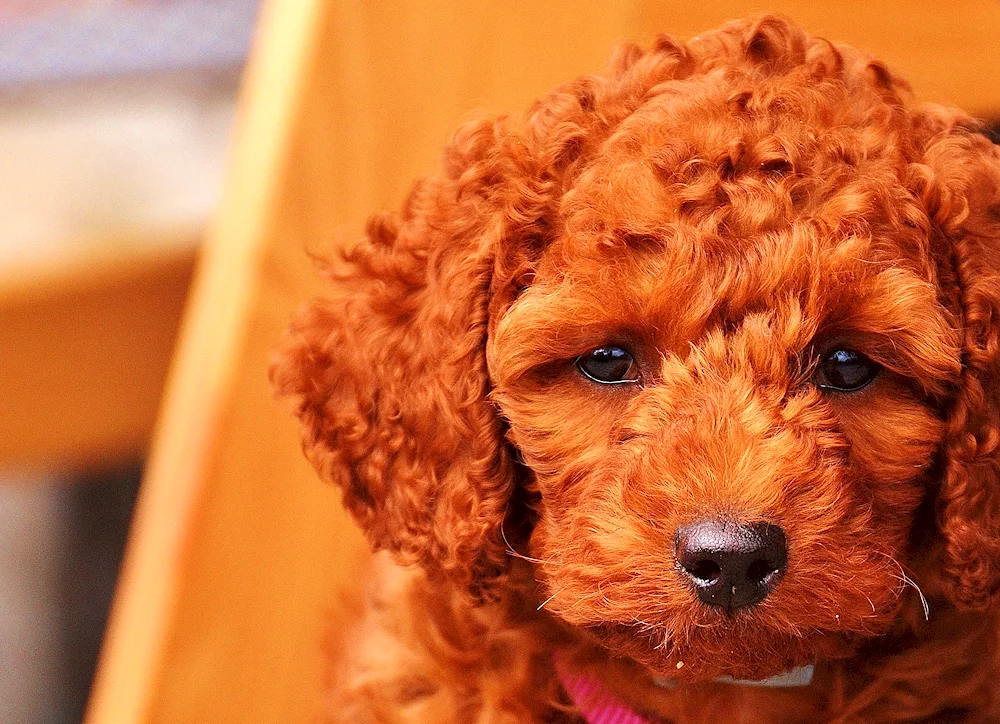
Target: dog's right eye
608 365
844 370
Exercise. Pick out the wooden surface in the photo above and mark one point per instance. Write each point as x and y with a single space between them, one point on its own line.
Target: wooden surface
238 552
87 345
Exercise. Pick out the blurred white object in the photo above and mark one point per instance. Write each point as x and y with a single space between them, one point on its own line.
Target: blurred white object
133 157
114 118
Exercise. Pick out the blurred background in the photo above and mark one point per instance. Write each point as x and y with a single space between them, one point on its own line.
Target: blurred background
116 118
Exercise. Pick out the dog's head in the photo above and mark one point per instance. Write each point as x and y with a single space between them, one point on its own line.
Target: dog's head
718 327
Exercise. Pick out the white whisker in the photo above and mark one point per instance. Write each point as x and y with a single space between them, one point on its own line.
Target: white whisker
907 581
514 553
923 600
543 603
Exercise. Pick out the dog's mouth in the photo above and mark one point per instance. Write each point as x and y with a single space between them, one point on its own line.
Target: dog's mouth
758 659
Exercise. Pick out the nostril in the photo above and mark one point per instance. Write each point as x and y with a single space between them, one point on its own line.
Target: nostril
705 571
760 571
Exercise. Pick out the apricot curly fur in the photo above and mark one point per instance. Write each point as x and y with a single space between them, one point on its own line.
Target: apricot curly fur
729 209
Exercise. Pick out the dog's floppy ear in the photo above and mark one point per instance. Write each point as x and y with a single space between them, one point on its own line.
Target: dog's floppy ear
390 376
961 188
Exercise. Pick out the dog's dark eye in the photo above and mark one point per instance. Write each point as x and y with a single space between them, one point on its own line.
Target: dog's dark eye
608 365
845 370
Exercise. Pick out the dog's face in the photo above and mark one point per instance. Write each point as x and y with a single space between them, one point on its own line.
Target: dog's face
725 316
680 365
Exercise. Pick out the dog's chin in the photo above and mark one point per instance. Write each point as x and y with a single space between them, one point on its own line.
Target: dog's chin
709 658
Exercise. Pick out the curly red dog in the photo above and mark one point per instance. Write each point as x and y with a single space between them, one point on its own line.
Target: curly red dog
682 392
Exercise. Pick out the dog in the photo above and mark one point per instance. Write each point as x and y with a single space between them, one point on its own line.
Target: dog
676 399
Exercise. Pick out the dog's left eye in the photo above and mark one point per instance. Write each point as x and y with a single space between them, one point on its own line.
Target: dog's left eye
845 370
608 365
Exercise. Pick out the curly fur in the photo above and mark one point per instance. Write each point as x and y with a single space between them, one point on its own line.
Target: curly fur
727 208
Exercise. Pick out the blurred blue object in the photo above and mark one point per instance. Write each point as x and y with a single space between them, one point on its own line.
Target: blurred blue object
71 44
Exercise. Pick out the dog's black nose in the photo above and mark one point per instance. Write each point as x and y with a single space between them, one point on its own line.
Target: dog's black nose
731 565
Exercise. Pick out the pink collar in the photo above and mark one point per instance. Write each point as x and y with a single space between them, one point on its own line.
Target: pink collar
598 705
592 699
